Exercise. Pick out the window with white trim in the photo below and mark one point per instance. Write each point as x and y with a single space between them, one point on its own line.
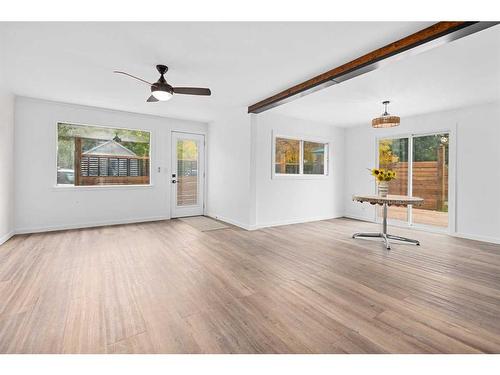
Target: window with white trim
95 155
300 157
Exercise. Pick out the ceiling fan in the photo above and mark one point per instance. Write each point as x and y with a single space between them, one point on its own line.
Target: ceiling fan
162 91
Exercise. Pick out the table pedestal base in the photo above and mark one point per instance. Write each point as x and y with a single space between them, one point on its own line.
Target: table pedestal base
386 237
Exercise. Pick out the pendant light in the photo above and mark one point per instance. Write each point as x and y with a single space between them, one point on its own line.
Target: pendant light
385 120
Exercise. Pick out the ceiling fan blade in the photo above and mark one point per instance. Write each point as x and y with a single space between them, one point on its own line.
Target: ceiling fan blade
192 91
130 75
152 99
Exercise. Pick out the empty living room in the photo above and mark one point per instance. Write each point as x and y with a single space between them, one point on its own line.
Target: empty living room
203 179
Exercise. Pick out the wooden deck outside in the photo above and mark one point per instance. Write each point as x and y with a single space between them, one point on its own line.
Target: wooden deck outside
187 190
420 216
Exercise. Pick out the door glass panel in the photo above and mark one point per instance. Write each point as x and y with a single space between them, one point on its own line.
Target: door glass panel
187 172
393 154
430 179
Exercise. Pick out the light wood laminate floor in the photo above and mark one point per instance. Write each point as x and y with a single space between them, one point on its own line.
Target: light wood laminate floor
166 287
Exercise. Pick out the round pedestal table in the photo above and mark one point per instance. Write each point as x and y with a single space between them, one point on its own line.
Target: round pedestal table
390 200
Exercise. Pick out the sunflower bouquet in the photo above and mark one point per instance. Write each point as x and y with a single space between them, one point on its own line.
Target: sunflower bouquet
383 175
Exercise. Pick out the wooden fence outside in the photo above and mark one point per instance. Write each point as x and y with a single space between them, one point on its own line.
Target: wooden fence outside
430 181
98 169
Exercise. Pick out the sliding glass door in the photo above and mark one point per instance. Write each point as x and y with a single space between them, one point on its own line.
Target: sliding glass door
421 164
430 179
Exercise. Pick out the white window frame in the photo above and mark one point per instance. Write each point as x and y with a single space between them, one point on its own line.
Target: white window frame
58 187
301 174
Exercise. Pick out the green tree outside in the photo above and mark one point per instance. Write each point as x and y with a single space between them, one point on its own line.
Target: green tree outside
135 140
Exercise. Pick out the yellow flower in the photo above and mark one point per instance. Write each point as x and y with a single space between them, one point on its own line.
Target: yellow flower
383 175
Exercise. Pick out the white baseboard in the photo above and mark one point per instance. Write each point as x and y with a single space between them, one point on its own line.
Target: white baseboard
477 238
89 225
230 221
4 238
272 224
297 221
361 218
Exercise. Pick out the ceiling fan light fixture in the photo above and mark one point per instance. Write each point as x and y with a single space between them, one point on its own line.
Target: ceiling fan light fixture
161 95
386 120
162 91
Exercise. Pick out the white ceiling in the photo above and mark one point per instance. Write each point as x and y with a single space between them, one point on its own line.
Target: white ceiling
462 73
241 62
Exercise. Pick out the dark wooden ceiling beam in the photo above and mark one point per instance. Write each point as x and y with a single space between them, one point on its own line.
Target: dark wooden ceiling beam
432 36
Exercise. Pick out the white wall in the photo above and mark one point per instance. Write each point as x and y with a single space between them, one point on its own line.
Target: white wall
6 162
297 199
228 168
40 205
474 139
240 188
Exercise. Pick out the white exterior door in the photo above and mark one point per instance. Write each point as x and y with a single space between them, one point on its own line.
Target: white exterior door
187 178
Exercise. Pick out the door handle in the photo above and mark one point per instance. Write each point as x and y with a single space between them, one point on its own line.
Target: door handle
174 181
